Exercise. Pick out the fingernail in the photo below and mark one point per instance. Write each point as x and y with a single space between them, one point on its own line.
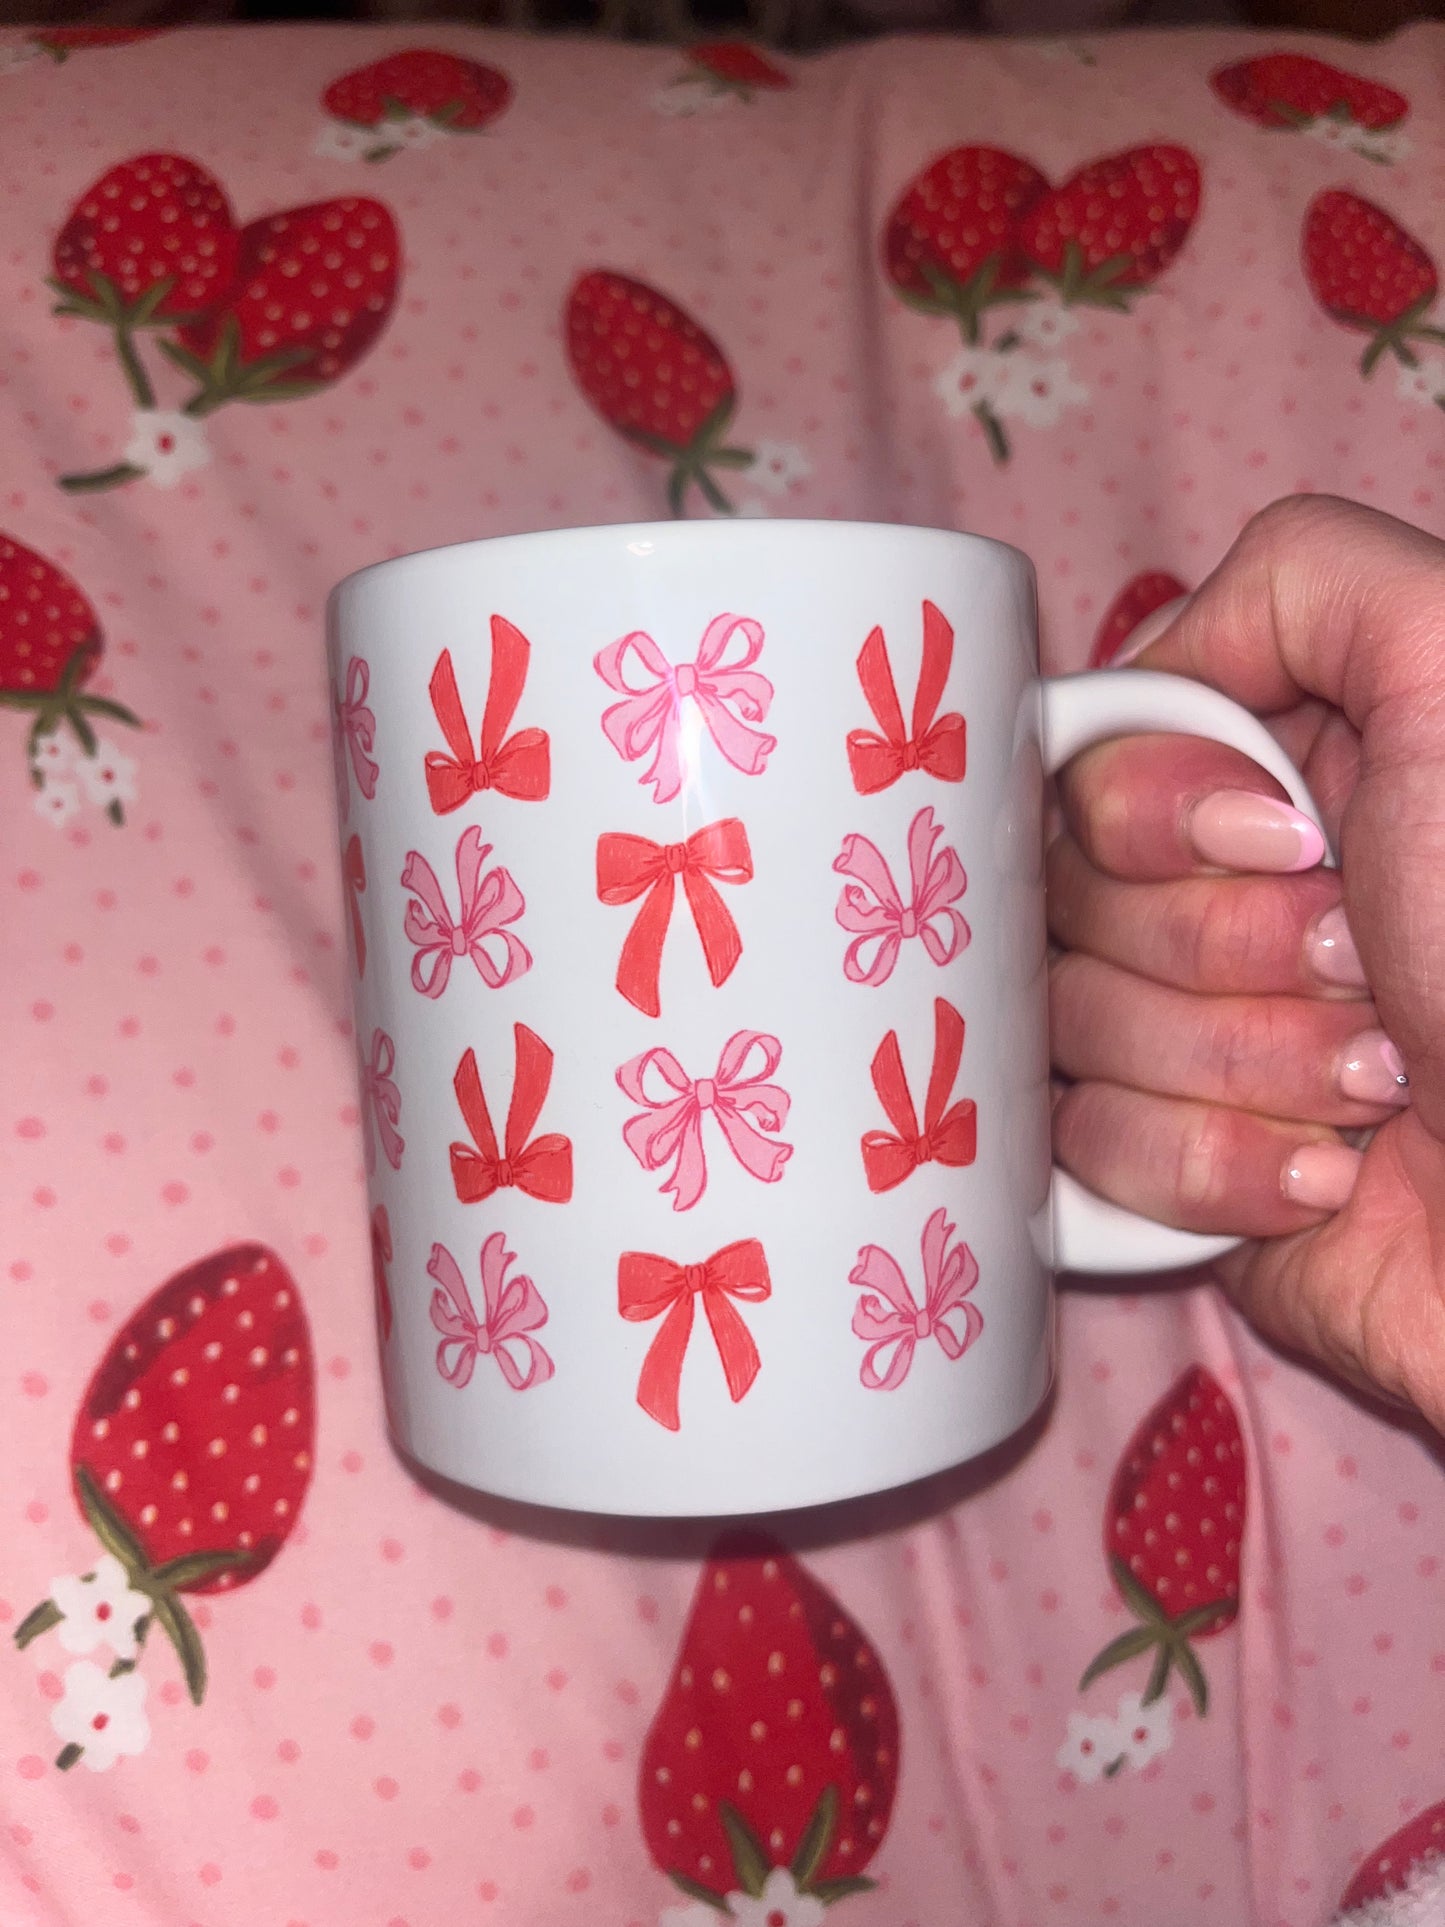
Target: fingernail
1371 1070
1321 1176
1242 830
1150 630
1331 954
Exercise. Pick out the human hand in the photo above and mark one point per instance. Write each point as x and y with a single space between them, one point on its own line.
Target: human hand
1225 1034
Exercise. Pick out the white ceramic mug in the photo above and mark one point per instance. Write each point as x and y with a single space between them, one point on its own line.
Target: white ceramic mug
695 878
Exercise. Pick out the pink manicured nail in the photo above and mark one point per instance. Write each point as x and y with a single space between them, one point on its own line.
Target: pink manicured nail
1371 1070
1150 630
1321 1176
1331 954
1241 830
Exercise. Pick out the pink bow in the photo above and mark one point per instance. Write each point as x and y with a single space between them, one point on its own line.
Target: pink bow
887 1315
671 1126
936 878
488 902
728 695
381 1105
354 735
514 1305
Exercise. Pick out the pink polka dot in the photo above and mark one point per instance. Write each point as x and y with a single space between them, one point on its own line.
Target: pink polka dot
497 1645
386 1788
418 1858
556 1598
441 1607
648 1609
327 1860
21 1271
98 1311
579 1880
288 1752
264 1677
362 1727
30 1127
263 1807
197 1761
469 1779
175 1192
209 1874
30 1766
556 1679
380 1652
351 1462
34 1385
522 1818
123 1881
449 1715
488 1890
310 1617
338 1367
539 1759
392 1550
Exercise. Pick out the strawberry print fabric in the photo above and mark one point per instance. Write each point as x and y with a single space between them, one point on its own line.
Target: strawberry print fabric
1173 1655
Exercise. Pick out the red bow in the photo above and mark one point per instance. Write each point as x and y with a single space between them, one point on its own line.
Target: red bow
353 869
937 747
648 1286
541 1168
628 865
520 766
947 1137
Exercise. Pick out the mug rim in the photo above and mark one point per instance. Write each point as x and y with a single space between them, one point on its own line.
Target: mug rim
762 531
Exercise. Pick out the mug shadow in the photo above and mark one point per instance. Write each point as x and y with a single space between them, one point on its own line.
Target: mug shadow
808 1529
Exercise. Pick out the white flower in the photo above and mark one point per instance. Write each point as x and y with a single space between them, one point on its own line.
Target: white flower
1384 144
166 445
57 803
754 509
1044 324
1143 1732
53 754
108 776
1091 1749
1424 384
777 465
100 1609
1330 132
778 1905
680 98
974 375
1038 392
106 1717
696 1916
414 131
338 140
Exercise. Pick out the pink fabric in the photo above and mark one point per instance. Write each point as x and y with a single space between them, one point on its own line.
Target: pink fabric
421 1710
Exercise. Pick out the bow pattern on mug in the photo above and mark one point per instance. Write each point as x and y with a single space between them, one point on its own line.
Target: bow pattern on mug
488 904
514 1309
629 865
938 748
872 909
887 1318
518 766
381 1102
948 1136
542 1166
354 736
648 1286
728 696
745 1108
353 872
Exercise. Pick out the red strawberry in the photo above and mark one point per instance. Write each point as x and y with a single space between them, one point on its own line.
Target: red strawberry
314 288
50 645
381 1257
951 243
1417 1848
1173 1530
1113 228
458 95
732 66
192 1447
153 241
776 1743
1367 272
1292 90
61 42
1136 600
656 377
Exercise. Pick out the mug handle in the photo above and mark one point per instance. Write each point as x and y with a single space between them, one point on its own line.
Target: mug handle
1090 1233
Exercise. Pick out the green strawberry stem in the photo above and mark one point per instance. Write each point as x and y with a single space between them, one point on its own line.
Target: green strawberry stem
96 480
751 1865
1167 1638
226 377
691 465
1395 337
1080 286
67 704
108 306
998 445
966 301
161 1585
